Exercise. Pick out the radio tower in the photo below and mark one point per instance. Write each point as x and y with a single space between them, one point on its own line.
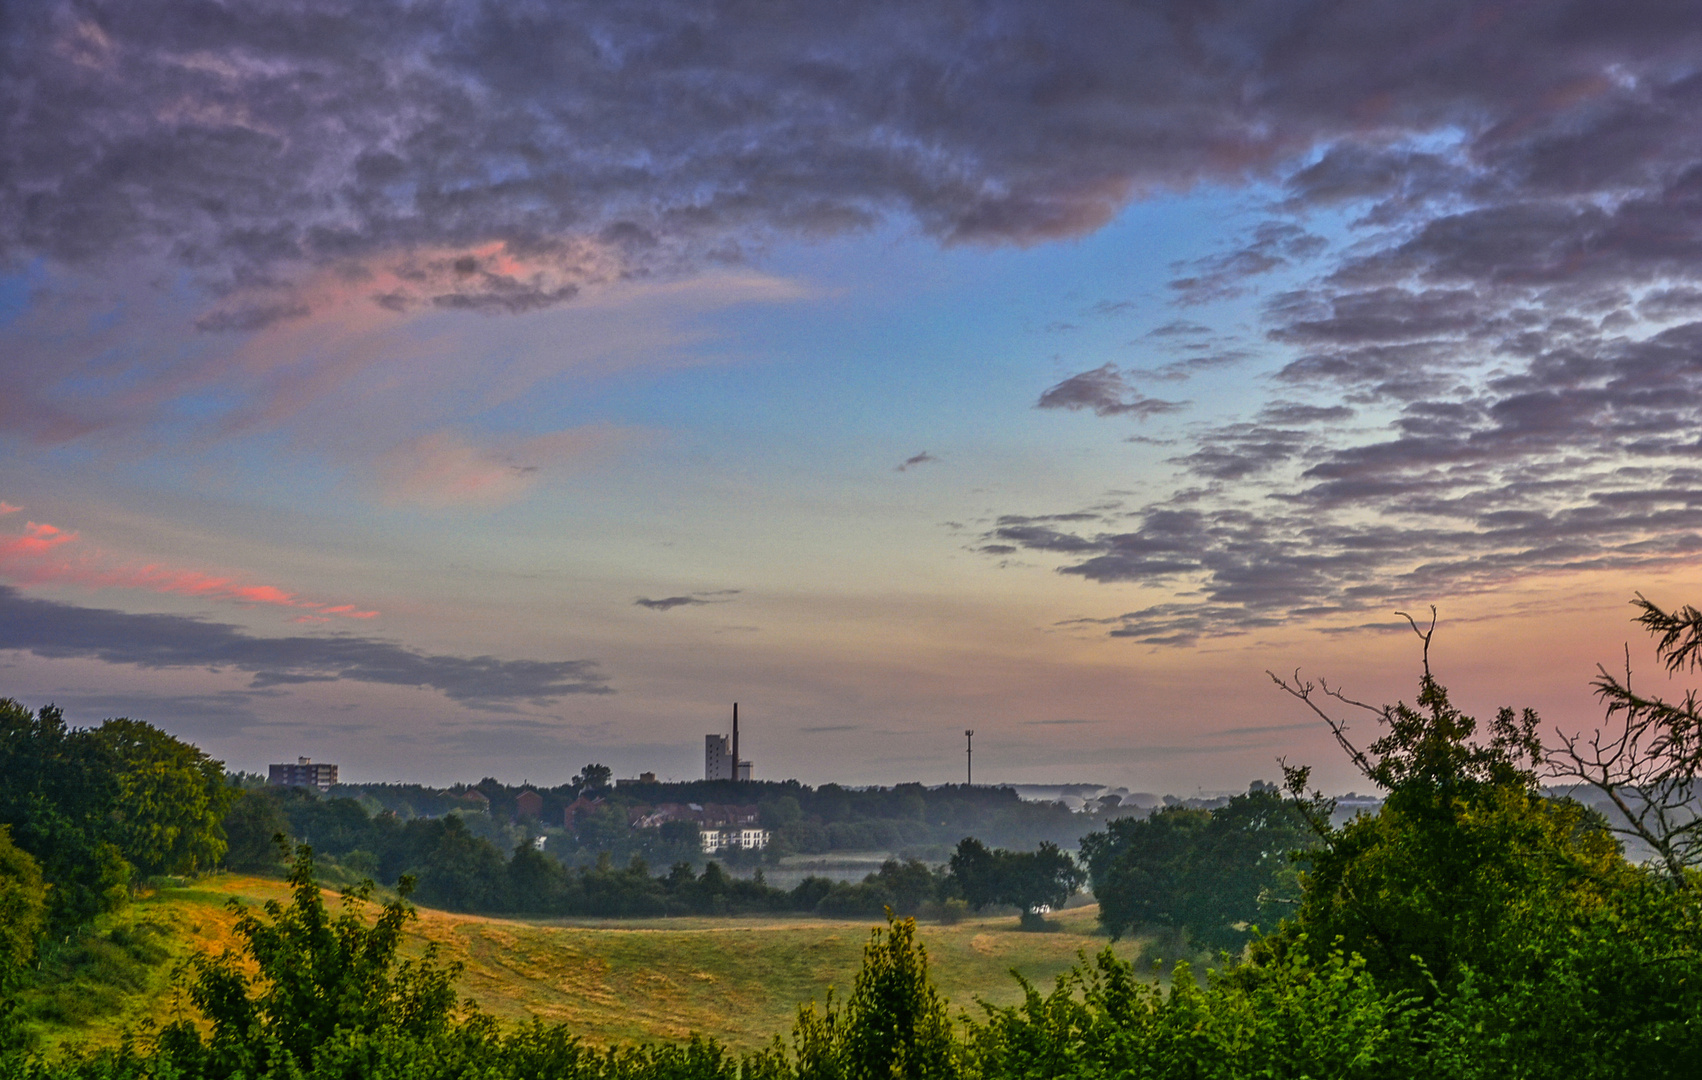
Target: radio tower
969 758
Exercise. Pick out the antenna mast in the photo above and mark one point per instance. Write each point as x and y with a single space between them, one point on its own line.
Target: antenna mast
735 741
969 758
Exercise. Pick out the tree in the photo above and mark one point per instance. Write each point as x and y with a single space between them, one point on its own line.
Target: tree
536 882
463 872
314 977
23 917
894 1024
1242 872
1213 873
57 792
1646 761
1138 867
593 777
780 813
253 825
1030 881
1463 860
170 799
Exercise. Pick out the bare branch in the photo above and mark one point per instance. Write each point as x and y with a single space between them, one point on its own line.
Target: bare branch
1423 635
1646 757
1303 690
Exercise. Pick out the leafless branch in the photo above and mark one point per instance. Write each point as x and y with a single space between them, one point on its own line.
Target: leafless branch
1423 635
1304 689
1645 758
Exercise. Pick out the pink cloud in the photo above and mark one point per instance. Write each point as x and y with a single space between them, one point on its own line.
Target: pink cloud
8 508
39 556
442 469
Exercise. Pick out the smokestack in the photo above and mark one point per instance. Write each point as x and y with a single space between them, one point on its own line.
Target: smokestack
735 740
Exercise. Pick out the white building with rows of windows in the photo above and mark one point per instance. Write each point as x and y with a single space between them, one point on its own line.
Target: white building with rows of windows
732 837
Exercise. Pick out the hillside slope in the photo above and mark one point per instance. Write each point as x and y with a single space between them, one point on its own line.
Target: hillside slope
738 979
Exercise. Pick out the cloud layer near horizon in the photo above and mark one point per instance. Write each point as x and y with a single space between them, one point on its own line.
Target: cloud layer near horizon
54 630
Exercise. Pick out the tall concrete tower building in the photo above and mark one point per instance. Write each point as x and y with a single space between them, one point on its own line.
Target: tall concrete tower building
721 759
717 758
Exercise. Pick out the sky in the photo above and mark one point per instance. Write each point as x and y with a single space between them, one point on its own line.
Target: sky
452 389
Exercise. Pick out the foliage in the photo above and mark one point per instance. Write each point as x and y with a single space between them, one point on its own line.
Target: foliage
23 908
84 980
318 977
1647 761
1026 880
1288 1019
56 792
894 1024
1463 857
906 818
1214 874
253 825
97 807
593 776
23 916
459 870
169 799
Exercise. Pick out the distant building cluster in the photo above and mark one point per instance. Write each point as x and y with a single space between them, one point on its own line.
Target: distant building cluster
720 827
304 773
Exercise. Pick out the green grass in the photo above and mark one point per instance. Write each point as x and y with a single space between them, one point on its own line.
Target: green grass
738 979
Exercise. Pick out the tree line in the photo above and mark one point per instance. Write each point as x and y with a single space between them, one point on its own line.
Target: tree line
800 819
455 868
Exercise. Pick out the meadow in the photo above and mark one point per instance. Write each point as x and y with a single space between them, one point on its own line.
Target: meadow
740 978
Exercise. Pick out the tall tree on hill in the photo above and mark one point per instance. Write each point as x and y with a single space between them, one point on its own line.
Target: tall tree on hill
57 791
169 799
593 777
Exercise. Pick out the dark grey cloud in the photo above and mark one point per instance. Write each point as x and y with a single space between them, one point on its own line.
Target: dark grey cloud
696 599
1179 328
1109 308
1514 316
1104 391
1207 357
668 603
1494 378
1224 276
914 460
251 140
55 630
1295 412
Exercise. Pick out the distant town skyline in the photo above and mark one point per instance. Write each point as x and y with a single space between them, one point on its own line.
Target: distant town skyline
455 391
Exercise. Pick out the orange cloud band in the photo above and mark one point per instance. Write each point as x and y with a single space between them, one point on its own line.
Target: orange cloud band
35 557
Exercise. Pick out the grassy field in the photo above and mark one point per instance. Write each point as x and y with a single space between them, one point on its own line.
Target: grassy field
738 979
